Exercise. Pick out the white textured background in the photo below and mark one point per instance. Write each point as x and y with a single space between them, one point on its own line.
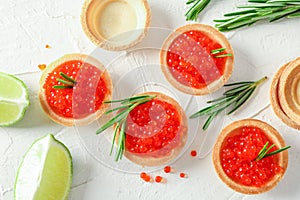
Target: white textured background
26 26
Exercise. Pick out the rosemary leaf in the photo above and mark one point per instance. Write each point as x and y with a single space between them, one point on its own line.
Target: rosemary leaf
239 13
215 51
242 100
277 151
114 109
239 83
224 55
237 89
196 9
114 138
62 86
295 15
67 77
65 82
121 140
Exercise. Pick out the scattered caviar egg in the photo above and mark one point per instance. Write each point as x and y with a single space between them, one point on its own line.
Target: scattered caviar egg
147 178
193 153
167 169
183 175
47 46
143 175
159 179
42 66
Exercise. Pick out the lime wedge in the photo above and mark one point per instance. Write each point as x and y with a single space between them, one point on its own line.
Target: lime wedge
13 99
45 172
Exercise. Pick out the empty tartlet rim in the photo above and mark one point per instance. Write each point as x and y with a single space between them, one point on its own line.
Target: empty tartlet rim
272 134
275 103
71 121
148 160
213 34
286 97
102 42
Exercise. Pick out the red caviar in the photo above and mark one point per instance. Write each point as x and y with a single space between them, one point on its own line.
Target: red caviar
190 60
193 153
159 179
153 128
238 157
84 98
167 169
183 175
145 177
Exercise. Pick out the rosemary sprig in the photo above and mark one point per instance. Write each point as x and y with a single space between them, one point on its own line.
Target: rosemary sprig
257 10
263 153
196 9
68 81
218 51
234 98
119 120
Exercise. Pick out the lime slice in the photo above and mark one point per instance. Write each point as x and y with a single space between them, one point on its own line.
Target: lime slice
13 99
45 172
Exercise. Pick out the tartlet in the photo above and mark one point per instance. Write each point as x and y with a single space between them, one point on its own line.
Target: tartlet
274 97
156 131
289 90
188 63
283 94
247 175
115 24
82 103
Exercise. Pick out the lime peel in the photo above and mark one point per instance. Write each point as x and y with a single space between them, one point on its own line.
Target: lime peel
45 172
14 99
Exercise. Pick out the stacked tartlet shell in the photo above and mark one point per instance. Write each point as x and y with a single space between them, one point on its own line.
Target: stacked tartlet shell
88 18
150 159
71 121
272 134
213 34
285 99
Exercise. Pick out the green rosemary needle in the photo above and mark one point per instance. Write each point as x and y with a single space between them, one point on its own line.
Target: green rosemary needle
218 51
234 98
196 9
68 81
119 120
263 153
257 10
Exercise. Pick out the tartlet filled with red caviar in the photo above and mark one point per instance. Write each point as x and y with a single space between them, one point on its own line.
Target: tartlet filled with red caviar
74 88
249 156
151 129
197 59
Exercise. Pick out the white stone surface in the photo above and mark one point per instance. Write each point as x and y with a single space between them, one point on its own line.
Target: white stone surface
26 26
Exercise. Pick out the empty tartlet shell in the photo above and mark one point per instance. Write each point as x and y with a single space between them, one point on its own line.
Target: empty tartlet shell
71 121
274 97
272 134
213 34
100 41
288 90
148 159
